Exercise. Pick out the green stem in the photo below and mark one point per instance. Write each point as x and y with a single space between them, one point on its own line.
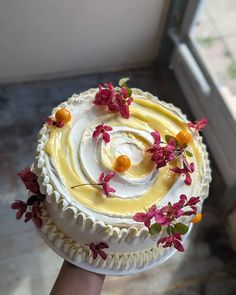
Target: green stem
93 184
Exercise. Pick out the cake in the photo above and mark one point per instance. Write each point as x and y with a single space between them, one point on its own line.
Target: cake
118 179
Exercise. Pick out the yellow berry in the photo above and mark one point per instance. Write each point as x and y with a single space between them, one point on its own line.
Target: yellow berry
122 163
197 218
63 115
183 137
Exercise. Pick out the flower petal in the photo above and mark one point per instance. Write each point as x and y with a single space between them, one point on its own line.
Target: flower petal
102 254
28 216
102 245
101 177
139 217
157 137
20 213
30 180
109 176
106 137
107 128
188 179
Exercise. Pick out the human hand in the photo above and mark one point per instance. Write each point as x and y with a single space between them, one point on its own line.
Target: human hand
73 280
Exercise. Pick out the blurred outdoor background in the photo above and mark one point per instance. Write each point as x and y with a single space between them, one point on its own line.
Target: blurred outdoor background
182 51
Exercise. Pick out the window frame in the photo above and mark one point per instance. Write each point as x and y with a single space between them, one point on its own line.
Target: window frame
204 97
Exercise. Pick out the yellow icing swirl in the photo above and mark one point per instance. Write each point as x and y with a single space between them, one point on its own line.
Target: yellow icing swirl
145 114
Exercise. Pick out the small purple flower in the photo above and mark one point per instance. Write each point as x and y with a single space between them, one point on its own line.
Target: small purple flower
167 214
198 125
104 182
103 130
30 180
186 170
161 155
172 240
145 217
97 249
20 206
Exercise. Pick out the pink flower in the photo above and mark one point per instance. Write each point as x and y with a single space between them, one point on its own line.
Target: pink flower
172 240
59 124
168 213
180 204
183 203
191 203
123 101
30 180
198 125
20 206
116 101
186 170
35 214
50 122
97 250
157 137
145 217
104 182
103 130
104 95
161 155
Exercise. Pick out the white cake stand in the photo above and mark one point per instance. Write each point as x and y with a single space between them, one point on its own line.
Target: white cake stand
92 268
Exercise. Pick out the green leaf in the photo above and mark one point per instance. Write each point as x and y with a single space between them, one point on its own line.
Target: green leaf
129 91
123 82
188 153
168 137
180 228
169 229
155 229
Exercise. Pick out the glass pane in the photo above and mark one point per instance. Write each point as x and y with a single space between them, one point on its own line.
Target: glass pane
214 35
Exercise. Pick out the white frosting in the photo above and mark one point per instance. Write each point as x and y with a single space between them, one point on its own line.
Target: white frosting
93 159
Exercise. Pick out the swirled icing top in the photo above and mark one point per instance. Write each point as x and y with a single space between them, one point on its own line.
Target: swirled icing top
73 157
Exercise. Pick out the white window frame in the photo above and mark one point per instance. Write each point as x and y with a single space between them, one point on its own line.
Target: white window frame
204 97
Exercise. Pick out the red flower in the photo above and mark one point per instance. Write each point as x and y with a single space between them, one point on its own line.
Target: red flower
104 95
123 101
172 240
116 101
20 206
145 217
198 125
166 217
59 124
35 214
30 180
167 214
97 250
50 122
186 170
102 129
103 181
161 155
191 203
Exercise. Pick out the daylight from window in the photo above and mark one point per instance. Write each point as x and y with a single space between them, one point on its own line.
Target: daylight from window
215 38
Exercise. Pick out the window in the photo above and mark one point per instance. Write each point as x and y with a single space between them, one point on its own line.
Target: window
204 61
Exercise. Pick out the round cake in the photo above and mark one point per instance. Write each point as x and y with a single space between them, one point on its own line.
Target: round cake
121 176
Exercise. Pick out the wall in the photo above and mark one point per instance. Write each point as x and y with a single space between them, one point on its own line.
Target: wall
57 37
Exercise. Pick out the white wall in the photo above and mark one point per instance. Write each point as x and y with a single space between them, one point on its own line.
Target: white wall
41 38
